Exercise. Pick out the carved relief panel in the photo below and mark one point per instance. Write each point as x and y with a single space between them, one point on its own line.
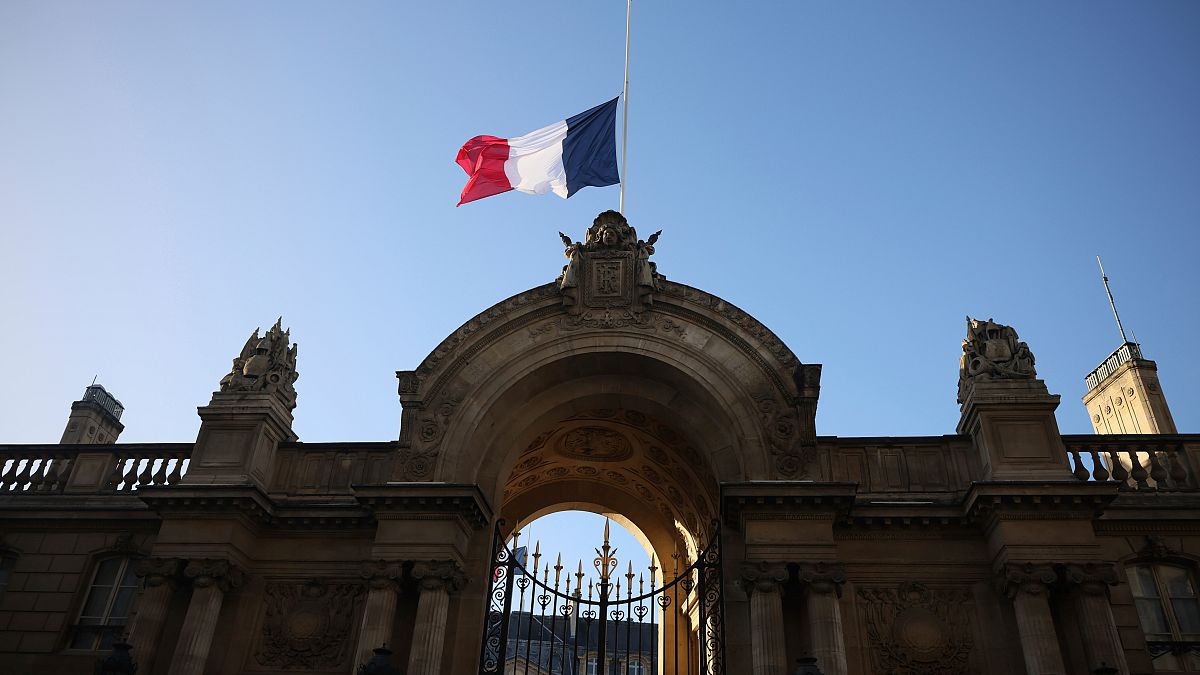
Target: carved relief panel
915 630
307 626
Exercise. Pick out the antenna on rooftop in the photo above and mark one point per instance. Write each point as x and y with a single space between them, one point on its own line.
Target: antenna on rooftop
94 380
1110 300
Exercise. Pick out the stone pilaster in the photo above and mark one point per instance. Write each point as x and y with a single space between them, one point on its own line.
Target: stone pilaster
764 584
379 615
437 579
211 579
823 582
1028 586
1088 585
159 577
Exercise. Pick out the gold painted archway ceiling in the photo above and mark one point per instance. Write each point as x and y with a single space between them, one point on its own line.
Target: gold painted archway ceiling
630 451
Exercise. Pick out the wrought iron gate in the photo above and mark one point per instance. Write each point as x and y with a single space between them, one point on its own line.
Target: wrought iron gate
548 627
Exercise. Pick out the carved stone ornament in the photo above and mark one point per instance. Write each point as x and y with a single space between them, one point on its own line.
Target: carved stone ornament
992 351
915 630
1091 578
266 364
439 574
1157 549
308 626
822 577
610 270
383 573
159 571
213 572
762 577
1031 578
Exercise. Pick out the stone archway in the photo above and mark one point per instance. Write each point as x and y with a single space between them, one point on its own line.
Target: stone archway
609 339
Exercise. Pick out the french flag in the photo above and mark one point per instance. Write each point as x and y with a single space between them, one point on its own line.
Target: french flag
561 158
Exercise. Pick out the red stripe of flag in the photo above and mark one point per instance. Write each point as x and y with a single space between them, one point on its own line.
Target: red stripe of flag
483 159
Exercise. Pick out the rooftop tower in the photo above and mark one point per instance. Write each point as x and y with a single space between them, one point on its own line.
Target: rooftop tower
95 418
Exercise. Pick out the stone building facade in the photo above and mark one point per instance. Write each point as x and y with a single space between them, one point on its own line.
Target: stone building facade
1005 547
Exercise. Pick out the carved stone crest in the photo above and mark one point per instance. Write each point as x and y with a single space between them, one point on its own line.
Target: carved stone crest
611 267
915 630
992 351
308 626
266 364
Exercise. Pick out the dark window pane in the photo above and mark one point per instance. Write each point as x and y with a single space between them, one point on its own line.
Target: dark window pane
130 576
1153 619
1141 582
97 601
1187 613
1177 581
106 573
120 608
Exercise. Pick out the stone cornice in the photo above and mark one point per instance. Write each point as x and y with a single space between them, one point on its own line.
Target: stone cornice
786 499
426 500
1037 500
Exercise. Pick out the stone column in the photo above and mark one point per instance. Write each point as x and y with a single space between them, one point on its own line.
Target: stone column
210 580
379 615
1028 586
1097 629
764 584
159 576
823 582
437 579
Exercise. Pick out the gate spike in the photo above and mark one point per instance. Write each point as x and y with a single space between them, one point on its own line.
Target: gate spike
558 568
653 569
537 555
579 576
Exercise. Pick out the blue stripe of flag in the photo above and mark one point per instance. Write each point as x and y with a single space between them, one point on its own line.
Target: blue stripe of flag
590 148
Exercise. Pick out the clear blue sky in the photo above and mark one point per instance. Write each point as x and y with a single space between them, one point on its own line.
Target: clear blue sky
859 176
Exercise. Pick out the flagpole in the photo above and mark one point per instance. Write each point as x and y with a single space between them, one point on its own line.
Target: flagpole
625 114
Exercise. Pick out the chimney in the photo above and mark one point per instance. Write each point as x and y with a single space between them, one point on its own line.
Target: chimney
95 418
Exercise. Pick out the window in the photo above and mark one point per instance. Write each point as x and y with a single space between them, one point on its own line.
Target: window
1169 613
636 668
593 668
106 608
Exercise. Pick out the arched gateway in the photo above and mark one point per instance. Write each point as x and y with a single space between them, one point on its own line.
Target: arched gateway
611 389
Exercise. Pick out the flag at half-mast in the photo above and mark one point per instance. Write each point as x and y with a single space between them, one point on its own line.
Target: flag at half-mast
562 158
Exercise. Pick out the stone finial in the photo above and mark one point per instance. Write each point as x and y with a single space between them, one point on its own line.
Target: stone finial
992 351
266 364
612 247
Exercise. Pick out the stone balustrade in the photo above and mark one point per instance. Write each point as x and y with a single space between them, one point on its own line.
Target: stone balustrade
1136 462
47 469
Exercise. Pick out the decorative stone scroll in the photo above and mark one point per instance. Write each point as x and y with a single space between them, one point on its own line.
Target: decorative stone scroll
159 571
1030 578
916 630
266 364
822 577
992 351
308 626
207 572
439 574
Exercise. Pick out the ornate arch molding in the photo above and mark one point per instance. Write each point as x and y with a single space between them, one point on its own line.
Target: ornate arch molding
611 297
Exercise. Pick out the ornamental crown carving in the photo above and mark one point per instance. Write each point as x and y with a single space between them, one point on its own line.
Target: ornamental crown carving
610 269
266 364
992 351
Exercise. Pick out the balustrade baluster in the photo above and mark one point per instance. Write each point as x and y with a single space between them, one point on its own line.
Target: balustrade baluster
160 472
1080 472
1157 471
142 471
1138 473
1179 473
35 474
54 474
1099 471
1119 472
22 475
117 476
7 466
176 471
